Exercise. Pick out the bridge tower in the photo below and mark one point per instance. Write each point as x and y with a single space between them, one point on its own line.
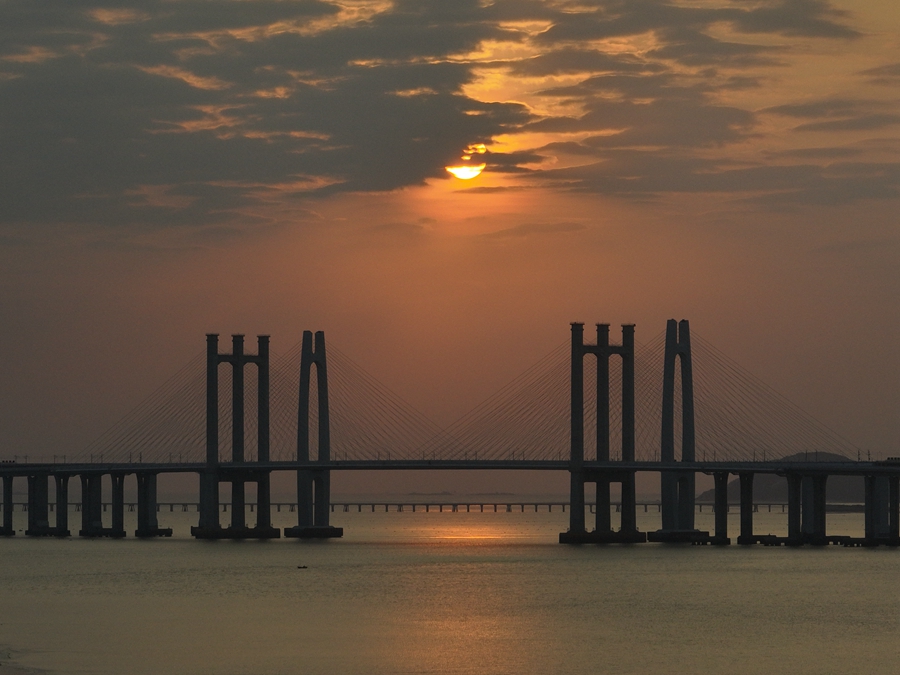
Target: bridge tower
677 488
603 472
239 471
313 481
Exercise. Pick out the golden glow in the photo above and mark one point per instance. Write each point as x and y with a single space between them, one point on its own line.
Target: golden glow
469 171
466 172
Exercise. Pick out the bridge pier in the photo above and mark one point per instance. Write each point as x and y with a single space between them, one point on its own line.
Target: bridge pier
603 532
878 510
721 508
795 492
678 486
62 505
7 530
147 520
38 510
894 515
812 526
746 484
209 526
92 506
38 506
313 484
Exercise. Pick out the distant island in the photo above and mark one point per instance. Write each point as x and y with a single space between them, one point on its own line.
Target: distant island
773 489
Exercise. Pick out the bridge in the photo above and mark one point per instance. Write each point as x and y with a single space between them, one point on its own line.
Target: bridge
602 412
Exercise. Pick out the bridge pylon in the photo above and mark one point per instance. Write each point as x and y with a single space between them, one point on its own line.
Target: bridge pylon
604 472
238 473
313 481
677 487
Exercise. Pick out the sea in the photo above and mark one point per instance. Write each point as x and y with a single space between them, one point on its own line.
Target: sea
446 592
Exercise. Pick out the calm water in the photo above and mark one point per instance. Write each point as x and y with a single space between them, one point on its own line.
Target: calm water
447 593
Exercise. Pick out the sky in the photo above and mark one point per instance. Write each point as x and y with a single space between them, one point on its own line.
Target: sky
174 168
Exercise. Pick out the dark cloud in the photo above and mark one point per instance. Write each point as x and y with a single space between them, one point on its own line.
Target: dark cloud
838 114
648 110
196 112
641 174
205 109
887 75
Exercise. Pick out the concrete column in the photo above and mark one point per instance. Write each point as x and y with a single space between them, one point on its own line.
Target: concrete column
237 399
38 508
62 504
262 414
686 494
628 393
8 529
322 514
264 501
91 505
871 506
878 507
819 483
882 519
794 507
576 502
212 399
629 506
148 522
305 508
894 515
721 504
667 447
602 394
807 526
324 415
668 497
306 357
813 525
746 481
118 504
602 521
209 501
576 430
687 393
238 504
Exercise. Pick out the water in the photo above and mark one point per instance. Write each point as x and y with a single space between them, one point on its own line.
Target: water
449 593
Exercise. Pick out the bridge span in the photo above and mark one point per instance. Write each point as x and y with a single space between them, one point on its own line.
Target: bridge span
608 417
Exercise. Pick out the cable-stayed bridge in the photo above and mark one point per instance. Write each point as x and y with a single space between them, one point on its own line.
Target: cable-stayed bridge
738 418
601 411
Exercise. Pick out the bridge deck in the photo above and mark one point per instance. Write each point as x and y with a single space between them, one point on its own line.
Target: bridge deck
771 467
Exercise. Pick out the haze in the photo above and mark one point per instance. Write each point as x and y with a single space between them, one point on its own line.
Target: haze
169 169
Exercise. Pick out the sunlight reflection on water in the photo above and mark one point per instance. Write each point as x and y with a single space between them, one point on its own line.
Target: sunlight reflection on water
447 593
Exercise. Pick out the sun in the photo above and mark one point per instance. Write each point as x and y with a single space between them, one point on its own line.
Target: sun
469 171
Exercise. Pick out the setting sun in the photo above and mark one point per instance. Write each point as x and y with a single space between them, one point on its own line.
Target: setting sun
467 171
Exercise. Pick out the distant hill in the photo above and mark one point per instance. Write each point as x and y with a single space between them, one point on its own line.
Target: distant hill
771 488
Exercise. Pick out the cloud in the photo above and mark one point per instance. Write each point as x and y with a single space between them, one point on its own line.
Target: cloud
886 75
156 114
840 114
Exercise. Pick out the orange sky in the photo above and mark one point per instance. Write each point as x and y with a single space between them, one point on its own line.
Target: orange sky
169 174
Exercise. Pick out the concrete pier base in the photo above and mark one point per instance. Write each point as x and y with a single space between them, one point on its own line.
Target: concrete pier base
682 537
314 532
236 532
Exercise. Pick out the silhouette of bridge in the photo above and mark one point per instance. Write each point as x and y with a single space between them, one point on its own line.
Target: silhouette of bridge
602 412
